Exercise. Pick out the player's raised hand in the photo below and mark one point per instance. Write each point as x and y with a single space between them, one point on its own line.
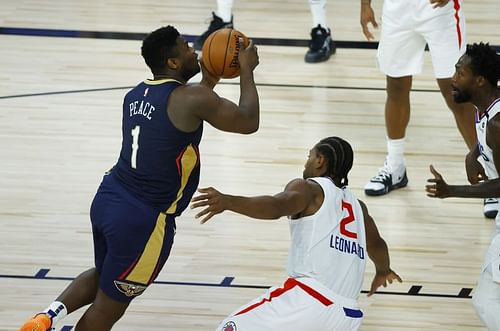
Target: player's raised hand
382 278
439 3
214 201
367 16
439 188
248 57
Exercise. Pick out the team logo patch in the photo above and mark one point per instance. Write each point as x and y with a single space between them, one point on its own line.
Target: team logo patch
130 290
229 326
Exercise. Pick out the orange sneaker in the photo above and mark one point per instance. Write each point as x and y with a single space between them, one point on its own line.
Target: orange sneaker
39 322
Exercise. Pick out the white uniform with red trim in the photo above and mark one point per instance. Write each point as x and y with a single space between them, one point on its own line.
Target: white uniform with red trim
486 298
326 266
408 25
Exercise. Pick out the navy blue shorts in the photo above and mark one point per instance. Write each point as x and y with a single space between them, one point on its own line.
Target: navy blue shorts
132 240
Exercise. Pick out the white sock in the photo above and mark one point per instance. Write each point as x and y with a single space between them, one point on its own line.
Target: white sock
395 151
318 11
57 310
225 10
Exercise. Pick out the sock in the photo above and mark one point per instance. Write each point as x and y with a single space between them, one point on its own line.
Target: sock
225 10
318 11
57 310
395 151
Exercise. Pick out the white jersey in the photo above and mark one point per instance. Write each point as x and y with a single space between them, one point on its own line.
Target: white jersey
486 153
330 245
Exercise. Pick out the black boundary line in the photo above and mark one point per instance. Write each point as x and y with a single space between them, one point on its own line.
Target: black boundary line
227 282
62 33
222 83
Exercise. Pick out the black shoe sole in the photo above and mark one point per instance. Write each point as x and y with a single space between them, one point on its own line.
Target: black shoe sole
377 193
333 50
491 214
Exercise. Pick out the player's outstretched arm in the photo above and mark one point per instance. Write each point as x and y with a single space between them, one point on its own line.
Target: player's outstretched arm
440 189
292 201
378 253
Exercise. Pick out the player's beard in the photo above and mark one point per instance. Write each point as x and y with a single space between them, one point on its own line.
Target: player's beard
461 96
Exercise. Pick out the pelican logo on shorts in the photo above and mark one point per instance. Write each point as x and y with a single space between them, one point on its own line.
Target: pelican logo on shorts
130 290
229 326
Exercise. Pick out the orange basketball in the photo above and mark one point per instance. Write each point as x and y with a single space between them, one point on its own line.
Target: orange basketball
220 53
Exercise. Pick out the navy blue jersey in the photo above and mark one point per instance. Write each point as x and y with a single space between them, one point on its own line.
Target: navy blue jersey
158 163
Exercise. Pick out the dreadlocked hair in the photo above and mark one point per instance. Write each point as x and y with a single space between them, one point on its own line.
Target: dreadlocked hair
339 154
158 46
484 62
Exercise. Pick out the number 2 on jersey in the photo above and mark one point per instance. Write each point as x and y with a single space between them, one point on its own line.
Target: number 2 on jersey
346 220
135 145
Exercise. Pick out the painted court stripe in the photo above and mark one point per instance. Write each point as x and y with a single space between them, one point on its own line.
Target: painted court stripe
414 290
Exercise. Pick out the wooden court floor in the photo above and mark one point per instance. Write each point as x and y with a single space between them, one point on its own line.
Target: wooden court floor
60 113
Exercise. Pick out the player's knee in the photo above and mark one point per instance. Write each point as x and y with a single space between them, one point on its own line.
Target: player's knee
398 87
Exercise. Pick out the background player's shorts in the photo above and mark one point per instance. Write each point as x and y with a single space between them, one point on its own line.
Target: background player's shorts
408 25
132 240
297 306
486 298
492 258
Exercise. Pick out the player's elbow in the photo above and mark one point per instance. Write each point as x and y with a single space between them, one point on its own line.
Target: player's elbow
251 129
250 126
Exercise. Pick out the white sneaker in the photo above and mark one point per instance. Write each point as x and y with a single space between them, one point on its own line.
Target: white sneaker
491 206
386 180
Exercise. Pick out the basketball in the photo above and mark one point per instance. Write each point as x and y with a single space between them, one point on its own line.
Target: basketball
220 53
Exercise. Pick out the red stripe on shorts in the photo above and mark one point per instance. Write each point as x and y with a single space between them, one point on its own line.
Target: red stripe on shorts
290 283
456 6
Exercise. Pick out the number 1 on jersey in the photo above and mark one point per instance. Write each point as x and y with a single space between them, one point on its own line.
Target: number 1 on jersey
135 145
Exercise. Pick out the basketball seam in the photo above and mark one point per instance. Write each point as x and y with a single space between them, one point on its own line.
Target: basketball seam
209 57
225 53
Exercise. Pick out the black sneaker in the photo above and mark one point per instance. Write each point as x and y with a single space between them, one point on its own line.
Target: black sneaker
215 24
386 180
491 207
321 45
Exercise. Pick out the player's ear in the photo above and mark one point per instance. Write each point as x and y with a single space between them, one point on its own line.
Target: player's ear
172 63
320 160
480 81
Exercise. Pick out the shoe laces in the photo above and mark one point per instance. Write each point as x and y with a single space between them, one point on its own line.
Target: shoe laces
384 173
319 35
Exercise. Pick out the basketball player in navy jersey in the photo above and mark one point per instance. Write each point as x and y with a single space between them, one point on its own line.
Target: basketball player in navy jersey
134 210
476 80
332 234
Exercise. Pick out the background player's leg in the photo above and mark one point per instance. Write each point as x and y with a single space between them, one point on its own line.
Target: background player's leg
102 314
397 115
464 113
397 106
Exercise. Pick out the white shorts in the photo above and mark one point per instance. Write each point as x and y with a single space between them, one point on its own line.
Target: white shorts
486 298
408 25
492 258
301 304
